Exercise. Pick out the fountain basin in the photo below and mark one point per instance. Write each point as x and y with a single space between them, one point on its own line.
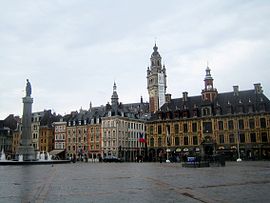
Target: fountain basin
45 162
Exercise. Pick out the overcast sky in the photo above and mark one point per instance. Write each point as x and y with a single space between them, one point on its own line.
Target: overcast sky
72 51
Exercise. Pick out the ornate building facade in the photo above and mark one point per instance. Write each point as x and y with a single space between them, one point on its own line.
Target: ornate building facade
113 129
212 123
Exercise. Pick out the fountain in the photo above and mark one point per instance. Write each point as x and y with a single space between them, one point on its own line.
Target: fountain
42 156
26 153
38 155
3 156
20 158
49 157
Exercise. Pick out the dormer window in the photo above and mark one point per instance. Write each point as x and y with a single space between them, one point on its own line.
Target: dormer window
160 115
195 112
240 109
168 115
229 109
218 111
250 108
185 113
206 111
262 107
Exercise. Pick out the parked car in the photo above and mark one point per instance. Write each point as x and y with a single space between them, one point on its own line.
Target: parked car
111 159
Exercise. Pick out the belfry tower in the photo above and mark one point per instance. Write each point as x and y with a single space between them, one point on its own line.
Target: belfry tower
114 98
209 93
156 81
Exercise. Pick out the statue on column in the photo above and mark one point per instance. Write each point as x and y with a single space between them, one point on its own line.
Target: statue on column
28 88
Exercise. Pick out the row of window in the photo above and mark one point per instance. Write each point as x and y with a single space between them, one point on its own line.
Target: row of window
60 136
208 128
84 122
194 139
165 142
124 124
84 148
243 138
60 128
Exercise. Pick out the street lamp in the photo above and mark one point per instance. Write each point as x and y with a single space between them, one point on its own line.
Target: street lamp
238 150
167 151
167 139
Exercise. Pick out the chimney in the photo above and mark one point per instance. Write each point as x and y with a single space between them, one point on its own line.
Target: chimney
168 98
235 90
258 88
185 96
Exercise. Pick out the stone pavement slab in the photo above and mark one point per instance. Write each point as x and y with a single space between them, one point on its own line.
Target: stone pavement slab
135 182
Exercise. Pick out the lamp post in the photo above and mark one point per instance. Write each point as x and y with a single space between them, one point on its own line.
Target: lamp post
167 139
238 150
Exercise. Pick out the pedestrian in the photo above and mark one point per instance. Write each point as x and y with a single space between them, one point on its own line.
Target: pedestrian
160 157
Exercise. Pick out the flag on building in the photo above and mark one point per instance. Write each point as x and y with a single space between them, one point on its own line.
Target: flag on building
142 138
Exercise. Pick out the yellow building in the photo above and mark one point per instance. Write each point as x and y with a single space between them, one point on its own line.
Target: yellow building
212 123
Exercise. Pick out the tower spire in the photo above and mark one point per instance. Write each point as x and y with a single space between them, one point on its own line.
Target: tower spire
114 98
209 92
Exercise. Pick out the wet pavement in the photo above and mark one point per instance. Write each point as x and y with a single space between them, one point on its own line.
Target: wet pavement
135 182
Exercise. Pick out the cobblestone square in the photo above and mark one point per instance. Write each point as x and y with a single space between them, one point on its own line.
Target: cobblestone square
135 182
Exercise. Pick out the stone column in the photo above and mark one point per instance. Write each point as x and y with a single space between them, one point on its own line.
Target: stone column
26 149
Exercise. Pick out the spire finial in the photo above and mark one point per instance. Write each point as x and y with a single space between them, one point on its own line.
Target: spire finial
114 86
155 47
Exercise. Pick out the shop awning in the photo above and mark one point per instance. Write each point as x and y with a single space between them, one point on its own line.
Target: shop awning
56 151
